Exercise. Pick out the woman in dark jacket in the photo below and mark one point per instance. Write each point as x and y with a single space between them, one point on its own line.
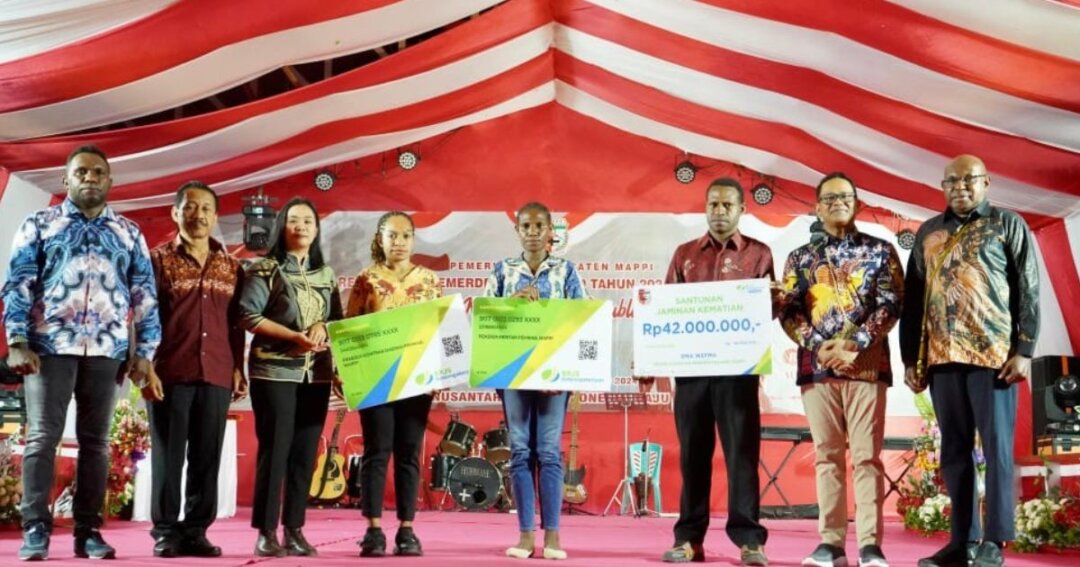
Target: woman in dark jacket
288 298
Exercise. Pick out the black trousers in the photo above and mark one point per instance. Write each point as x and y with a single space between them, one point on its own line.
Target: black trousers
289 418
728 404
188 424
395 428
969 399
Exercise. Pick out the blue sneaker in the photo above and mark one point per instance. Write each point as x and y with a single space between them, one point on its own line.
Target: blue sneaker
90 545
35 545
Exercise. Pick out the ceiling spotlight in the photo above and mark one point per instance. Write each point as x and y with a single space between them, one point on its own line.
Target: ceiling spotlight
324 180
408 159
762 193
906 239
685 172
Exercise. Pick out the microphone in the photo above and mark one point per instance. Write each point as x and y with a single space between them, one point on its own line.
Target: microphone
645 443
817 231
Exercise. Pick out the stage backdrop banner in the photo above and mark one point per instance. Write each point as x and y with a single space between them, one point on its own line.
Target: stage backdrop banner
548 344
401 353
703 329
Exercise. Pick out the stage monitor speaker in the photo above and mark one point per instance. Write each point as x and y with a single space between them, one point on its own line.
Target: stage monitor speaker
1044 371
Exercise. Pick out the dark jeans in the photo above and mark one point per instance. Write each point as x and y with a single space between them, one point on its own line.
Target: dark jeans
395 428
728 404
188 424
289 418
92 380
969 399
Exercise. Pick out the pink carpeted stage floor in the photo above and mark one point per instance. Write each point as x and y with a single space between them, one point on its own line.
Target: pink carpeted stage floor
473 539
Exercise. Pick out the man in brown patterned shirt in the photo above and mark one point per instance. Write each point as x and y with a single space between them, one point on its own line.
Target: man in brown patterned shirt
198 370
970 320
725 403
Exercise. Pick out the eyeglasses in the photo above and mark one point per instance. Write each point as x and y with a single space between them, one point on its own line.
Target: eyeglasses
828 200
967 180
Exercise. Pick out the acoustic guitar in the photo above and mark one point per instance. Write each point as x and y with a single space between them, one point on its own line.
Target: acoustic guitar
328 483
574 478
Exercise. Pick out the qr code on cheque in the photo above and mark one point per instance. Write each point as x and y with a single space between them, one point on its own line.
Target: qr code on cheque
452 345
586 350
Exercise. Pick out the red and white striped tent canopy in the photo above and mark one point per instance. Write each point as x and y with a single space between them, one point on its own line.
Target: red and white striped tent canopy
584 104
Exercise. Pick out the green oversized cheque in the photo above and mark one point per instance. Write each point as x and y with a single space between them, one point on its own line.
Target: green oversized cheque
401 353
703 329
549 344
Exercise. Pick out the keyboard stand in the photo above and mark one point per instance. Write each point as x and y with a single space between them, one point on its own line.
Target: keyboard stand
796 436
898 444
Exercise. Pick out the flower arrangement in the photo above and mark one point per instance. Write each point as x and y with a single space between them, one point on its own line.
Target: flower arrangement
923 504
129 439
1052 519
10 482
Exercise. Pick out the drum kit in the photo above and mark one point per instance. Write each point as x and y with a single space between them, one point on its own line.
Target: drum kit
476 476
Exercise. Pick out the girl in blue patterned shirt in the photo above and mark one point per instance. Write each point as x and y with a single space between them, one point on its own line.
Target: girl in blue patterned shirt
535 418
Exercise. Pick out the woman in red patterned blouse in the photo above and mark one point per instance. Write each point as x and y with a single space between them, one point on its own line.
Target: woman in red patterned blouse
392 280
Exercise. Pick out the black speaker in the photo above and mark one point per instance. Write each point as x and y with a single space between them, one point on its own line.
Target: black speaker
7 376
1044 370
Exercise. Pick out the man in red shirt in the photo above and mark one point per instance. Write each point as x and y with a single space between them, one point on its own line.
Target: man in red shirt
727 403
198 370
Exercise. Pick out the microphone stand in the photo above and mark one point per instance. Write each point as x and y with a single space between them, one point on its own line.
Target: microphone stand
646 464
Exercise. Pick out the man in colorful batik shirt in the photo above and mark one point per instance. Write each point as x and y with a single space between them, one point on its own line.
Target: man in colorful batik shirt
968 331
78 273
729 404
841 294
197 372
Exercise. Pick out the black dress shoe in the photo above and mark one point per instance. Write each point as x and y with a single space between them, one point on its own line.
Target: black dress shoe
296 544
199 546
373 544
948 556
406 543
167 546
267 545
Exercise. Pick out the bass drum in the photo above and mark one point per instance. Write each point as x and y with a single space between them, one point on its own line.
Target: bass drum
475 483
441 465
458 439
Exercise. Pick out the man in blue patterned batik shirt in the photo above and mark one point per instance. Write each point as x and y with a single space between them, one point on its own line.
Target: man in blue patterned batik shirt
79 276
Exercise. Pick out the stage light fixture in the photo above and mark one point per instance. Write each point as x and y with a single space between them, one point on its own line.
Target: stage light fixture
1067 397
258 221
408 159
906 239
762 194
324 180
685 172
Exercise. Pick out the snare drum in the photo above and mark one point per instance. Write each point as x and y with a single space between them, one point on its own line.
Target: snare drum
497 445
458 439
441 465
474 483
